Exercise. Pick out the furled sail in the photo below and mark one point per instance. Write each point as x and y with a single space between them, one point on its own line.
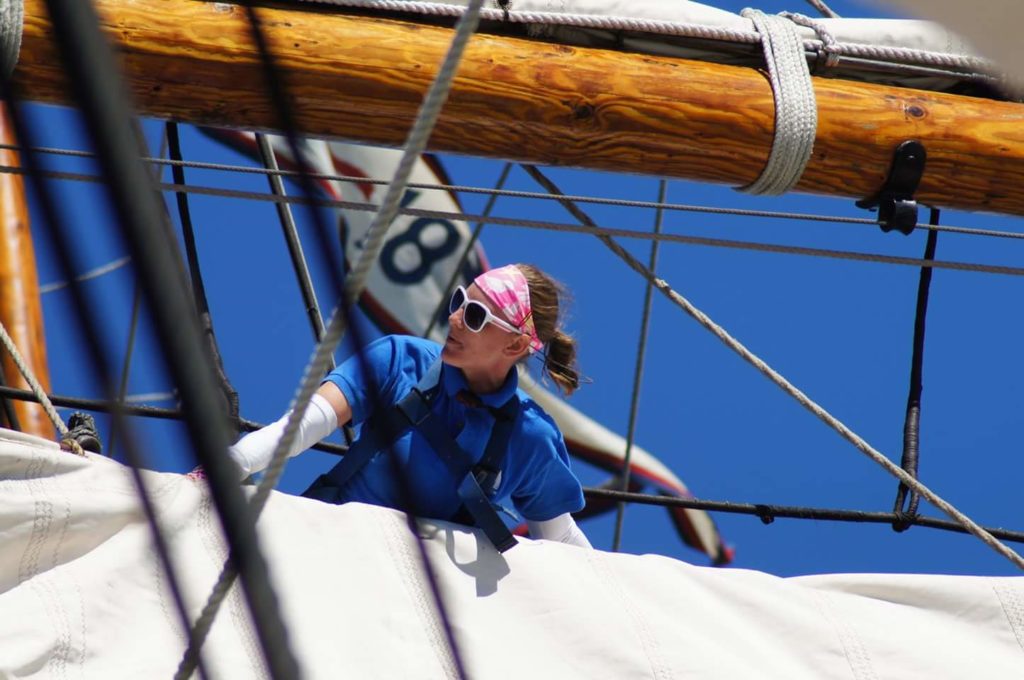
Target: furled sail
83 596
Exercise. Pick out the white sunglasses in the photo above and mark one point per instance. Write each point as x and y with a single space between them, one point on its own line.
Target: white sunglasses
476 314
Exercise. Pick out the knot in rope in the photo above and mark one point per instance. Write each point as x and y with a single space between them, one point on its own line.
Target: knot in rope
829 48
12 18
903 521
71 445
796 111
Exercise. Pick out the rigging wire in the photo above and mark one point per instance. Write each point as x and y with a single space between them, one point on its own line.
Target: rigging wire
30 377
596 200
129 408
94 273
352 287
608 231
896 55
634 402
825 10
202 305
93 73
291 237
768 513
466 252
765 512
53 225
122 389
912 419
784 384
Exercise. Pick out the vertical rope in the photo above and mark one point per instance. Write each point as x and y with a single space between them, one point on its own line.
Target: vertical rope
781 382
54 227
202 305
912 421
634 406
122 389
353 285
291 237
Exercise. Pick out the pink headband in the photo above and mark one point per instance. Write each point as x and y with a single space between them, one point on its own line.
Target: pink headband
507 288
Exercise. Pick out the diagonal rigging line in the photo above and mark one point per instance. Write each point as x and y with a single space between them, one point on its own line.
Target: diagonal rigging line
353 285
790 389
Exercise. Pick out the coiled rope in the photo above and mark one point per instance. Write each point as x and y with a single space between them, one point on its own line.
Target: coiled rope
796 111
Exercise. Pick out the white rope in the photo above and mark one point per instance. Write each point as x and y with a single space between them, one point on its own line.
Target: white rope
111 266
786 386
796 111
335 330
898 55
33 383
12 19
828 41
823 8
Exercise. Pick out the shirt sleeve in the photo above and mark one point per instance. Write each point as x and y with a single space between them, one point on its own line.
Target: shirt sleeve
379 360
549 488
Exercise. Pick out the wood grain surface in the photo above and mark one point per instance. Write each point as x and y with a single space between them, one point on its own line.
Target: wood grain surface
363 78
20 308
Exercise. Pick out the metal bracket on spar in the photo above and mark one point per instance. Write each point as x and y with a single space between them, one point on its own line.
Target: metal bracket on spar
897 208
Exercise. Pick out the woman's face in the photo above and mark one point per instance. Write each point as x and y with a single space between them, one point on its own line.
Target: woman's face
468 350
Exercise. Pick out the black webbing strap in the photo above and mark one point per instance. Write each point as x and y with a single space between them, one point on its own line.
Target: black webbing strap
417 410
488 470
473 482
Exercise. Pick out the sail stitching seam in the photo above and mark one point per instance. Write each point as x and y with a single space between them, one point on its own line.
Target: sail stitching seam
1013 607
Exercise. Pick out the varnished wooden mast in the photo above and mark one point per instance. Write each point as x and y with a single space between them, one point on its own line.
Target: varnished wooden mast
363 78
20 308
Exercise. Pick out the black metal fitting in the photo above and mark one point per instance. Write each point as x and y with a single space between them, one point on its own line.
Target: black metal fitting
897 208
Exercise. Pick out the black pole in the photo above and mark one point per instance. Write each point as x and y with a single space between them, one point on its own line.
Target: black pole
101 95
7 412
196 275
912 421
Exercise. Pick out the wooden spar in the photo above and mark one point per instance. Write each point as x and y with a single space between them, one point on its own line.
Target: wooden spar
20 307
362 79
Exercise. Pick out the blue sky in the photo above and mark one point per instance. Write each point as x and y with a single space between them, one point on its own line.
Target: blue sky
840 330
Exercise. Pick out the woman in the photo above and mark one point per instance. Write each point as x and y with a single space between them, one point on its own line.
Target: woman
474 440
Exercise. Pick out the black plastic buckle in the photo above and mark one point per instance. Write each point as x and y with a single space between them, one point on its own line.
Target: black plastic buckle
897 208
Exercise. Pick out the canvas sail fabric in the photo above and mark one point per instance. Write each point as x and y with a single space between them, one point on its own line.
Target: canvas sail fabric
83 597
994 25
410 280
902 33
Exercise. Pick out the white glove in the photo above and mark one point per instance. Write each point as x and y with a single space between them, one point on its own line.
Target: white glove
562 529
253 452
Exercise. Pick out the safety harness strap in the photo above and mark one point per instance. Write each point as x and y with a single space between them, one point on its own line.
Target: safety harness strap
459 464
474 482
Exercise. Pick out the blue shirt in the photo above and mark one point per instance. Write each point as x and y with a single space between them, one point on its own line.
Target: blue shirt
535 472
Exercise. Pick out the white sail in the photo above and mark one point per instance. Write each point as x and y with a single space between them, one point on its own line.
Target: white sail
84 597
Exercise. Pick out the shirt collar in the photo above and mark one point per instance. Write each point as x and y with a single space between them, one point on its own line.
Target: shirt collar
454 380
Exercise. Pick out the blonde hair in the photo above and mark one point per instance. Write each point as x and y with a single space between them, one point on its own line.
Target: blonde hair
546 295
